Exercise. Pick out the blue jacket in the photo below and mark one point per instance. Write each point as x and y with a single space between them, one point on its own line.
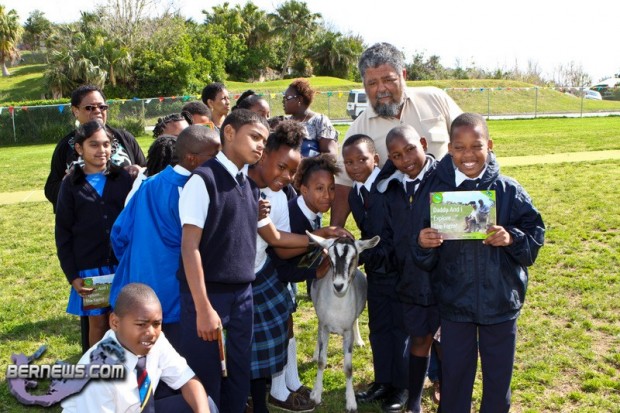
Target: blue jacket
147 241
474 282
402 224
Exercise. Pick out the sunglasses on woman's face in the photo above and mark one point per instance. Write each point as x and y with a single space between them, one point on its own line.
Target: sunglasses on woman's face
90 108
287 98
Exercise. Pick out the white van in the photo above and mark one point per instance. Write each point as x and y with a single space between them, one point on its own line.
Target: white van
356 103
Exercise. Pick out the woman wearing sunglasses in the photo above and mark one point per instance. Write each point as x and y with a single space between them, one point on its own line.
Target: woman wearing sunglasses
321 137
88 103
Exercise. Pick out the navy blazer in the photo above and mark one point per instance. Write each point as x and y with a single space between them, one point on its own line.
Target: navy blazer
84 220
480 283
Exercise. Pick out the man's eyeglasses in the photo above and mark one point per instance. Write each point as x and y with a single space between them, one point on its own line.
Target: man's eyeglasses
287 98
90 108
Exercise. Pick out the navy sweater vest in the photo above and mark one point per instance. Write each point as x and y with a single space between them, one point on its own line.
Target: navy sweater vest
228 243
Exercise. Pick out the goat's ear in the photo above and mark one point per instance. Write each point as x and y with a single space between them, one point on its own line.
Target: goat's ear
323 242
364 244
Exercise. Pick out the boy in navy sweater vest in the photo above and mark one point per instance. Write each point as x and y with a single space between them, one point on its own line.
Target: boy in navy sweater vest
480 286
219 212
388 338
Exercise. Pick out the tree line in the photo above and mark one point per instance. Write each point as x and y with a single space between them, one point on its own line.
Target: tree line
121 47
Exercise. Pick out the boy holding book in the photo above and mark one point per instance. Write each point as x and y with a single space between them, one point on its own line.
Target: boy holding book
388 338
480 286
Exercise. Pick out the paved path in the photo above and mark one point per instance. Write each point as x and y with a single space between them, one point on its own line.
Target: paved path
36 195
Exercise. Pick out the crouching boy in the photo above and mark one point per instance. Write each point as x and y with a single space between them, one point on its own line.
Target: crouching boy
136 325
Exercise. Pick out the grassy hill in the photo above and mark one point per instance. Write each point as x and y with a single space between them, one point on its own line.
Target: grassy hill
25 83
486 96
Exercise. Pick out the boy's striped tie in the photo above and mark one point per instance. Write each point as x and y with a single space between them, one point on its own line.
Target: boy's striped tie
147 404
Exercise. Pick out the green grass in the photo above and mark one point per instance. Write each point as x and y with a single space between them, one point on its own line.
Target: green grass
568 350
26 167
25 83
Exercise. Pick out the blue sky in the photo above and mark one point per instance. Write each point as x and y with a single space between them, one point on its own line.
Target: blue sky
490 33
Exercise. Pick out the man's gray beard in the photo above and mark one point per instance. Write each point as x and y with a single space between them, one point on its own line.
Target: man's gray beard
388 110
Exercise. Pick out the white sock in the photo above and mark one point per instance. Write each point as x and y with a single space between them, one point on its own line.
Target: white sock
292 374
278 386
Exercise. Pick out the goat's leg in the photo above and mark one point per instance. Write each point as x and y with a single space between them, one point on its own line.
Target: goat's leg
315 355
347 343
317 391
357 337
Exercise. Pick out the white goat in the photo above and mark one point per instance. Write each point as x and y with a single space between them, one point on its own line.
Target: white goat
339 299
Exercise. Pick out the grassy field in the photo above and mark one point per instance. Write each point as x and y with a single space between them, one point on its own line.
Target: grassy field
568 350
23 168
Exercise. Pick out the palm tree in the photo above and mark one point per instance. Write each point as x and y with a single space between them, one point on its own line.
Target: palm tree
335 55
72 63
10 32
295 23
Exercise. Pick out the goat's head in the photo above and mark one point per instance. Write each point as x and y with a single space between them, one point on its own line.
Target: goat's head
343 255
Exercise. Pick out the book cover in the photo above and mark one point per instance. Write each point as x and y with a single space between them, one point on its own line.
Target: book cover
100 297
312 259
463 214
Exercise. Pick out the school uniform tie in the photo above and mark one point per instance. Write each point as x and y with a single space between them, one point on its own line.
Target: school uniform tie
240 179
147 403
410 189
364 194
316 224
469 184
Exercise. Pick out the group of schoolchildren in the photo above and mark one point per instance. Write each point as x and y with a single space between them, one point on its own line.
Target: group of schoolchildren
417 281
217 234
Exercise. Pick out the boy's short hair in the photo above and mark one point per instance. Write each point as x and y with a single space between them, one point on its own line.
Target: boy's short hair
360 138
133 295
192 137
401 131
469 119
239 118
196 108
161 154
308 166
288 132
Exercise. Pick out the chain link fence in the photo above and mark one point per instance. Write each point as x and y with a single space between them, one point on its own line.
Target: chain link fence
48 123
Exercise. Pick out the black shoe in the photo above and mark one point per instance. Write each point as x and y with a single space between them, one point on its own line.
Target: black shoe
376 391
396 401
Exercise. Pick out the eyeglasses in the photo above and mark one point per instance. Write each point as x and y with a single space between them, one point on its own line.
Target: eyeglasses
287 98
90 108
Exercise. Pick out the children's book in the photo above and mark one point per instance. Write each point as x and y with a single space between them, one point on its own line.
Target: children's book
312 259
100 297
463 214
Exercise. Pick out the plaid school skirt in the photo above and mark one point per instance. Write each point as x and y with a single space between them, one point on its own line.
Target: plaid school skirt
272 307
